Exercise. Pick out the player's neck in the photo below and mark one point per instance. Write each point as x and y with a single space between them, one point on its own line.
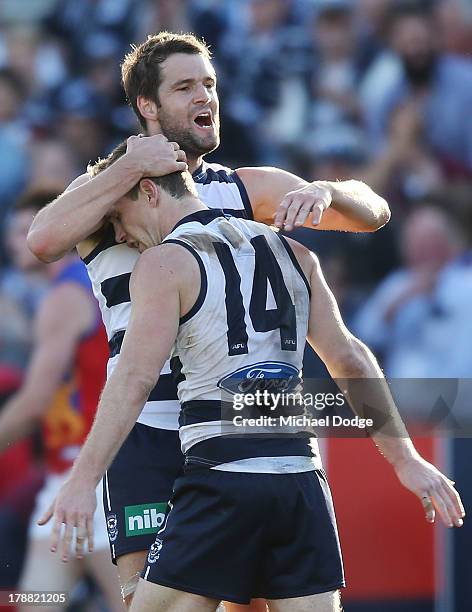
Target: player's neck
175 213
193 162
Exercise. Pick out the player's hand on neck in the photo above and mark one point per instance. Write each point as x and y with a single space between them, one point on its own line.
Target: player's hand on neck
193 162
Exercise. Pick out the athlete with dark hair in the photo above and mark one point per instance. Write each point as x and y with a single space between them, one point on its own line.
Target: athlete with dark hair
171 85
250 516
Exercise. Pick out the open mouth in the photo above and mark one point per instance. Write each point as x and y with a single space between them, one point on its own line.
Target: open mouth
203 120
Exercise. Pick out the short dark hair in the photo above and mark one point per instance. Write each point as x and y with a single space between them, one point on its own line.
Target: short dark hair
177 184
35 200
141 70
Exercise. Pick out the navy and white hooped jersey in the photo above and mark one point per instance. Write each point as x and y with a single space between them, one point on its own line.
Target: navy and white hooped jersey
110 265
249 322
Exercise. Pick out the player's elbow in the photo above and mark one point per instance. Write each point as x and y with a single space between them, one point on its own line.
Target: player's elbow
349 360
380 214
137 383
383 214
377 213
40 244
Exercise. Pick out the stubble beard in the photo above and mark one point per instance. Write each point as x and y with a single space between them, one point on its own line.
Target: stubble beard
193 146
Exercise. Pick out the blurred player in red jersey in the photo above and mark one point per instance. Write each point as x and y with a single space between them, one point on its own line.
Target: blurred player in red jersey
60 392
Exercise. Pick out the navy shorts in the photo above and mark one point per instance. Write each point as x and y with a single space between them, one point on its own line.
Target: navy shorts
138 486
234 536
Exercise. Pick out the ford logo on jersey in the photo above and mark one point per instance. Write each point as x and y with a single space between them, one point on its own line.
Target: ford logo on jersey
274 376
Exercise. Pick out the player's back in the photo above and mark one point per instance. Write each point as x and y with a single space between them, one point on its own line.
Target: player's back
246 331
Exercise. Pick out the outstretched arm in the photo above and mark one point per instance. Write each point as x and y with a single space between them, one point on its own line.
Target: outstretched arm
154 321
288 201
80 211
357 373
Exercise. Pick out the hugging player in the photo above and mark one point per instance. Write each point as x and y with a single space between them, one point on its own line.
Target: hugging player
200 293
171 84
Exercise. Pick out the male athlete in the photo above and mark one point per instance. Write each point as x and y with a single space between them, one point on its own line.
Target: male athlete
171 85
249 517
60 392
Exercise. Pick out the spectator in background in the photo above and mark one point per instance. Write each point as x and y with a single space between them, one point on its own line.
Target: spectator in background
406 170
22 287
455 18
59 393
337 65
24 44
82 117
371 20
341 154
265 67
14 136
397 320
88 23
22 284
170 15
420 74
102 77
53 164
12 11
210 21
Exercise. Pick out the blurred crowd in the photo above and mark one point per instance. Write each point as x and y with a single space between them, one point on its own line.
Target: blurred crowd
378 90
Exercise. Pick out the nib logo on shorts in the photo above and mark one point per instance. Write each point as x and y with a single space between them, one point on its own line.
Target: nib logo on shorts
145 518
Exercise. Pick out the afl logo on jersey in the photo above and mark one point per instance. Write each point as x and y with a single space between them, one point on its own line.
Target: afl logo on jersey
273 376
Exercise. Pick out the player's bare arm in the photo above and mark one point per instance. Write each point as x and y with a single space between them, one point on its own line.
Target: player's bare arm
81 210
288 201
346 357
65 315
164 282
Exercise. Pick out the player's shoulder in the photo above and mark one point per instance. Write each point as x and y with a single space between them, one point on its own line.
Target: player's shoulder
253 174
300 250
216 167
257 173
168 262
306 259
215 174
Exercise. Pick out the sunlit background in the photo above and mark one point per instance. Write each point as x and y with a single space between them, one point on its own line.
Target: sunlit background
377 90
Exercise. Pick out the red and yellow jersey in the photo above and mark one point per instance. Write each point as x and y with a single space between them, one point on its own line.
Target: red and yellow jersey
70 416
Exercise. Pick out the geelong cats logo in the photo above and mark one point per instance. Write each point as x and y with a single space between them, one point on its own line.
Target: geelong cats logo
154 551
112 527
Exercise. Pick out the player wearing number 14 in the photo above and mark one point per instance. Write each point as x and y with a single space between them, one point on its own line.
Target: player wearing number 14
221 295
